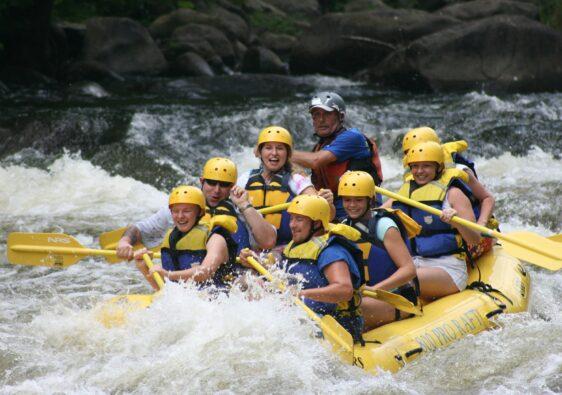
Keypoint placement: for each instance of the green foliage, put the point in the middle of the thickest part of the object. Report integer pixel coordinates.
(550, 12)
(186, 4)
(274, 23)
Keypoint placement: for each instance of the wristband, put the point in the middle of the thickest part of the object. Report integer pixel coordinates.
(247, 206)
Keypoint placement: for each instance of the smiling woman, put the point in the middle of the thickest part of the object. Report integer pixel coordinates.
(274, 182)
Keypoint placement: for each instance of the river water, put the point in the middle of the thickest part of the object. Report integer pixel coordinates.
(87, 159)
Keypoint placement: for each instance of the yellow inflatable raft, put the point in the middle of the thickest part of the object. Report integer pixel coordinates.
(498, 284)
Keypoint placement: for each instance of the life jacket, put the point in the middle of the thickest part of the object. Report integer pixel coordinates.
(377, 263)
(329, 176)
(302, 259)
(451, 158)
(181, 251)
(436, 238)
(264, 195)
(226, 207)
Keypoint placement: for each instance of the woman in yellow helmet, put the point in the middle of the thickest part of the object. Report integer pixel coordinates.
(453, 159)
(440, 249)
(274, 182)
(387, 263)
(193, 249)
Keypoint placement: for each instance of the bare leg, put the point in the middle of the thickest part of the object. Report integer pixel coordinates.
(435, 282)
(376, 313)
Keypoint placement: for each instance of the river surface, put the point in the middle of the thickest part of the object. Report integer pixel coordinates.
(87, 159)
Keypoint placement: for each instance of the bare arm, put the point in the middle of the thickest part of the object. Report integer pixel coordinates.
(460, 203)
(313, 160)
(217, 254)
(264, 233)
(339, 288)
(125, 245)
(487, 201)
(402, 259)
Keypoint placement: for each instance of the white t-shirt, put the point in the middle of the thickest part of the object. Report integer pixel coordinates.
(154, 228)
(297, 183)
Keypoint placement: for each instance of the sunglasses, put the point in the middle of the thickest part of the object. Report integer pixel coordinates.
(223, 184)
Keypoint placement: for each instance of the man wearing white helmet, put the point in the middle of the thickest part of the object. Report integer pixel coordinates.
(339, 149)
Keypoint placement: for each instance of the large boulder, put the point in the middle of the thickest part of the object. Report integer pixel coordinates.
(281, 44)
(165, 25)
(479, 9)
(188, 34)
(123, 45)
(192, 64)
(308, 8)
(501, 53)
(262, 60)
(344, 43)
(232, 23)
(364, 5)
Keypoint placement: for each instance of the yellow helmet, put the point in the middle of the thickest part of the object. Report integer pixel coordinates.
(418, 135)
(356, 183)
(426, 152)
(220, 169)
(275, 134)
(314, 207)
(187, 194)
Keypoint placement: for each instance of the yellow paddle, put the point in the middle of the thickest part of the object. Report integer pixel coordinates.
(557, 238)
(526, 246)
(340, 339)
(109, 240)
(398, 301)
(117, 308)
(50, 249)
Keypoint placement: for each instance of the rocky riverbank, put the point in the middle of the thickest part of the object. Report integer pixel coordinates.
(496, 45)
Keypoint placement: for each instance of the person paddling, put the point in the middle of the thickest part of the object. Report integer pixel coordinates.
(217, 183)
(274, 182)
(440, 249)
(339, 149)
(194, 249)
(385, 245)
(454, 160)
(327, 261)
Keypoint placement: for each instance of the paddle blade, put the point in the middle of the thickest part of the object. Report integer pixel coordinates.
(551, 247)
(337, 336)
(557, 238)
(17, 242)
(398, 301)
(114, 312)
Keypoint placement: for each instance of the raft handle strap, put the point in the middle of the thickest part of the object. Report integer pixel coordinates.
(487, 289)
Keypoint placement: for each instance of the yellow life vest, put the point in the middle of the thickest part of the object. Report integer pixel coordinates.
(263, 194)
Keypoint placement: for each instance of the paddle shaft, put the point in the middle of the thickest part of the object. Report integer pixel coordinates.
(156, 275)
(461, 221)
(83, 251)
(263, 271)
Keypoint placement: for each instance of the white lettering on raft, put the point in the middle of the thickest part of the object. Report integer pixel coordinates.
(448, 332)
(58, 240)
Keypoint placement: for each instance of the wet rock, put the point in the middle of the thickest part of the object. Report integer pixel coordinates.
(90, 70)
(123, 45)
(192, 64)
(308, 8)
(165, 25)
(192, 33)
(281, 44)
(234, 25)
(479, 9)
(252, 6)
(364, 5)
(345, 43)
(497, 54)
(88, 88)
(262, 60)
